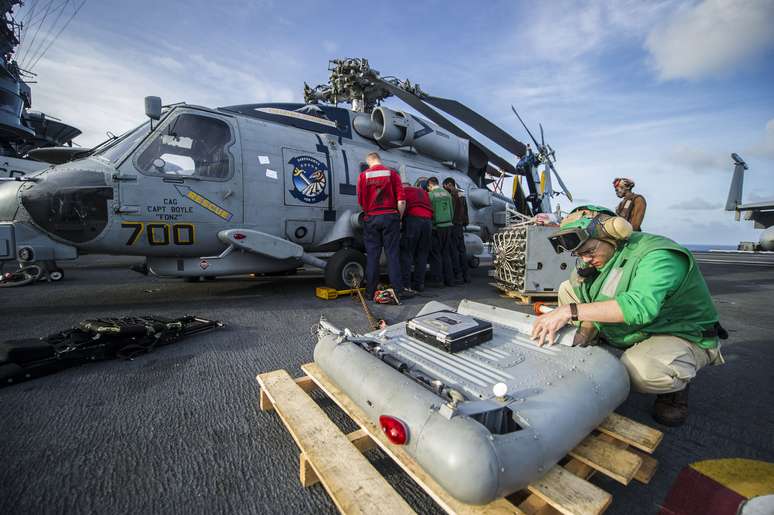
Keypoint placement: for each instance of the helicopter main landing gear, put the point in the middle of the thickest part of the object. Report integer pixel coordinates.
(345, 268)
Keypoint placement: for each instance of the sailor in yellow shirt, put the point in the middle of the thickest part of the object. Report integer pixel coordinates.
(640, 292)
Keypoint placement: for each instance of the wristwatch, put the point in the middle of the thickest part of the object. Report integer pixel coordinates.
(574, 311)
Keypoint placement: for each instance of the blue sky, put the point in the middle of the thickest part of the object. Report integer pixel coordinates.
(658, 91)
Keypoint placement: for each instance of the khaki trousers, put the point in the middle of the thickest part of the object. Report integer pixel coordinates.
(659, 364)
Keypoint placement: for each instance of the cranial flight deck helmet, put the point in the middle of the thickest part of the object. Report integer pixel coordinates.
(623, 181)
(586, 222)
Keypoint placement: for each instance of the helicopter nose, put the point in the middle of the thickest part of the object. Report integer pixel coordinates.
(69, 203)
(9, 200)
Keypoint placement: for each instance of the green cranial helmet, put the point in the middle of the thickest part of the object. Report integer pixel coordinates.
(586, 222)
(589, 211)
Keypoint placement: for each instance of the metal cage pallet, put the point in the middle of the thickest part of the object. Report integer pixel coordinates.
(620, 448)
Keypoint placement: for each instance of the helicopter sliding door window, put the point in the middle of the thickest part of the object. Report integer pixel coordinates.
(190, 145)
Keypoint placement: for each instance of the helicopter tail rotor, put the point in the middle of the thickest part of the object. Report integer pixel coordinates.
(546, 155)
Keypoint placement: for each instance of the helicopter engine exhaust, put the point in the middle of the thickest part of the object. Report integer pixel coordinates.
(395, 129)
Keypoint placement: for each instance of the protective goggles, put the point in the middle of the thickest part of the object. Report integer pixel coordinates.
(568, 240)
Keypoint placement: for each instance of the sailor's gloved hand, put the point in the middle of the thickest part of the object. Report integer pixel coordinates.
(546, 326)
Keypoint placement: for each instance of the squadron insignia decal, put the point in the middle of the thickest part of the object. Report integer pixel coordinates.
(310, 179)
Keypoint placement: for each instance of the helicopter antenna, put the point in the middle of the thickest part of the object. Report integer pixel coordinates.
(59, 33)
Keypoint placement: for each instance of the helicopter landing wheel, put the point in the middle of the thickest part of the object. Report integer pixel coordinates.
(344, 268)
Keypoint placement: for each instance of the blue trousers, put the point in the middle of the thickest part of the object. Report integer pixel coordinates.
(440, 257)
(382, 231)
(414, 250)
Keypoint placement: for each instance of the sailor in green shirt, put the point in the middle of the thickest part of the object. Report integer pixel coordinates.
(441, 268)
(640, 292)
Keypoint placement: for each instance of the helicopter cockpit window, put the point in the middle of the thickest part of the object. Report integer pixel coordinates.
(190, 145)
(115, 150)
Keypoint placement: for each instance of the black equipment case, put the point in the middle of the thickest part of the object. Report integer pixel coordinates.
(449, 331)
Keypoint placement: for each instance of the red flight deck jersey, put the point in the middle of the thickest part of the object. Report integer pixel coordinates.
(378, 191)
(417, 202)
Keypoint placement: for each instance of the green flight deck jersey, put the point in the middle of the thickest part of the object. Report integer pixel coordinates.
(659, 289)
(443, 211)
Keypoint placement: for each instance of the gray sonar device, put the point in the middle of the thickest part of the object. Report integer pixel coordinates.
(449, 331)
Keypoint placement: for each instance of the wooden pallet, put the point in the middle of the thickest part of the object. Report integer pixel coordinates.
(526, 297)
(620, 448)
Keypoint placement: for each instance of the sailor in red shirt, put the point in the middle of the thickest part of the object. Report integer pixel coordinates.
(416, 237)
(380, 195)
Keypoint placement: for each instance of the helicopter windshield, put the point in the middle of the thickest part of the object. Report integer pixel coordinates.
(192, 145)
(117, 148)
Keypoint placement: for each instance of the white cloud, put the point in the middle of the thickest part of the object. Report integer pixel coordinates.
(98, 87)
(167, 62)
(563, 31)
(759, 197)
(331, 47)
(708, 228)
(697, 204)
(765, 147)
(699, 160)
(641, 126)
(713, 37)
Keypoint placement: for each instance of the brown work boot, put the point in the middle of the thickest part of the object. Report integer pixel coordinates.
(671, 409)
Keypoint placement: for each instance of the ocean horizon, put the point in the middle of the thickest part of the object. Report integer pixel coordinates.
(708, 246)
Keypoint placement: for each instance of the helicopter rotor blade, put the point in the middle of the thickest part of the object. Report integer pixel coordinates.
(476, 121)
(542, 139)
(436, 117)
(559, 180)
(537, 145)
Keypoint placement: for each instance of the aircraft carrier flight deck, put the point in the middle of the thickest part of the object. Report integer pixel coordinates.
(179, 429)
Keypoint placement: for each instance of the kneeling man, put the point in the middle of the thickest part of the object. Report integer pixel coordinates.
(640, 292)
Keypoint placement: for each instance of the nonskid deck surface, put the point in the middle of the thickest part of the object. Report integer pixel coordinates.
(759, 259)
(180, 429)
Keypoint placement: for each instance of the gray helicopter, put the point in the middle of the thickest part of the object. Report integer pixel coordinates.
(255, 188)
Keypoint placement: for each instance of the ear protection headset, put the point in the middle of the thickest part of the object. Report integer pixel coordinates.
(613, 229)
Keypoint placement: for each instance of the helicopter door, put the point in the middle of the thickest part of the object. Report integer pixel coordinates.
(191, 170)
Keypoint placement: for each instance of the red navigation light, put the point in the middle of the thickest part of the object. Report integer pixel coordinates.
(395, 430)
(239, 236)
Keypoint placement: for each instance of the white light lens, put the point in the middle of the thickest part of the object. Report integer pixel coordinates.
(500, 389)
